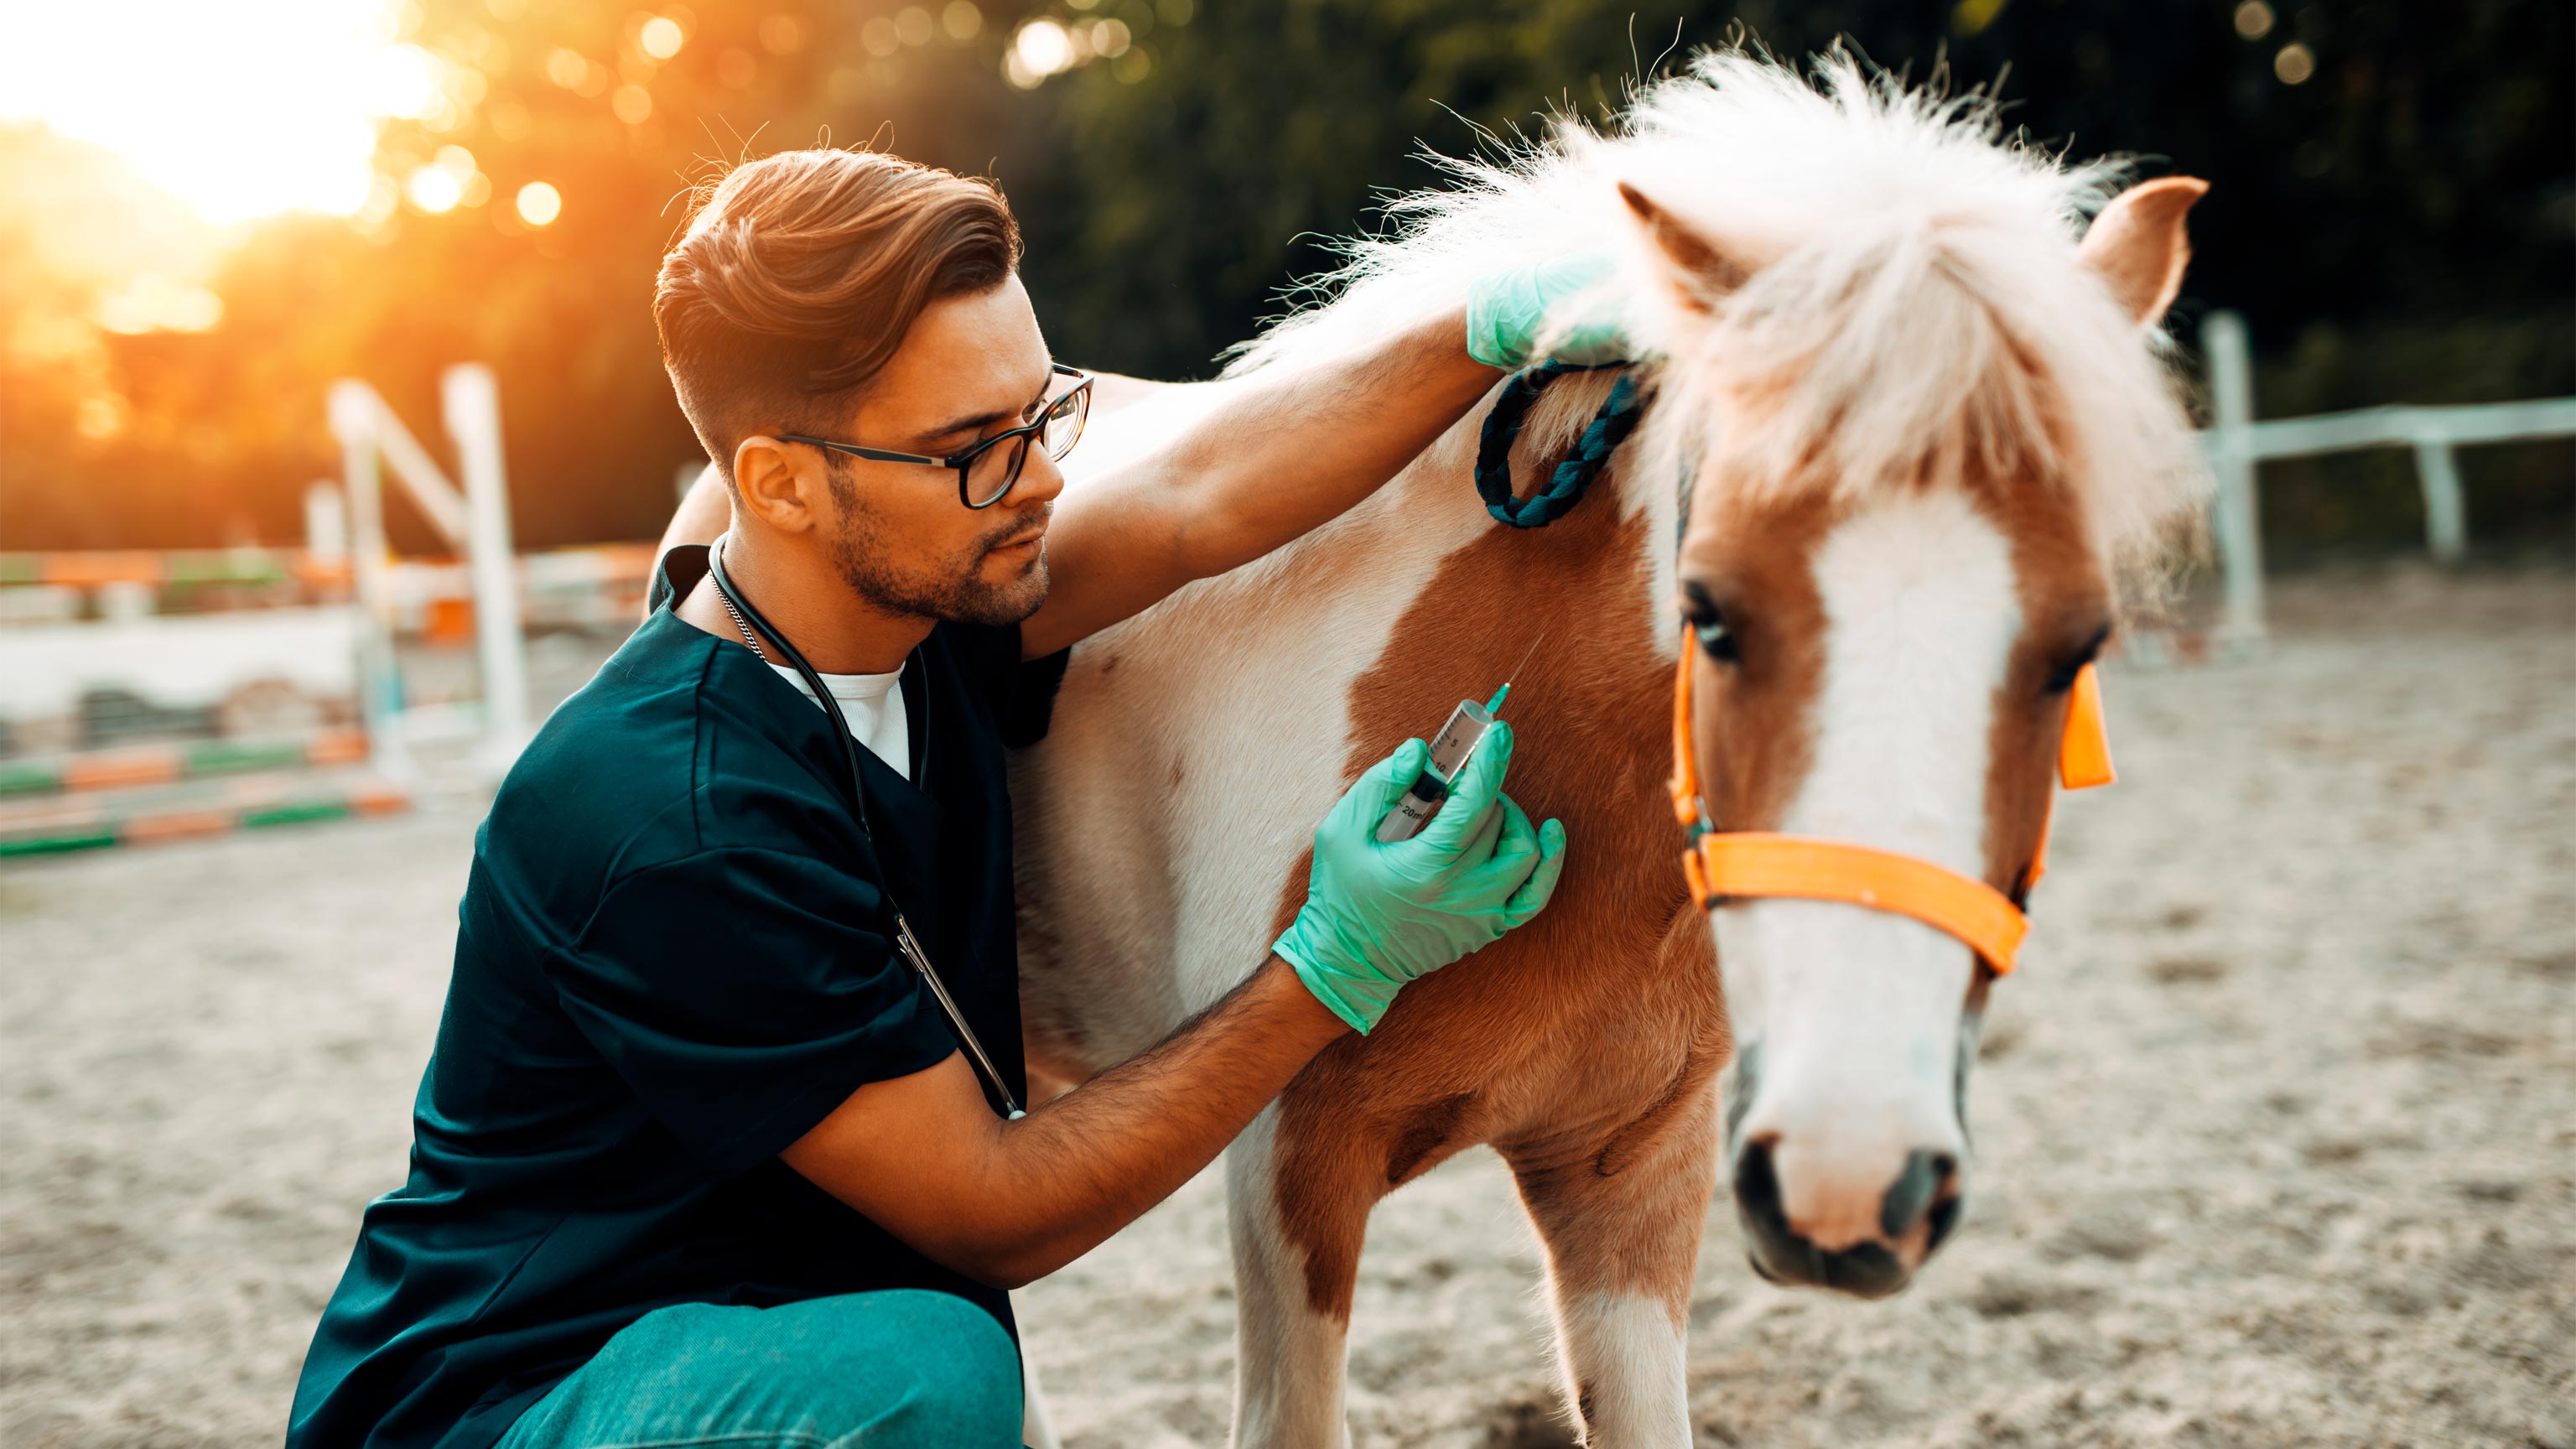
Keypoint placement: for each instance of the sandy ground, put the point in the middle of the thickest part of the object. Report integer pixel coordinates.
(2276, 1135)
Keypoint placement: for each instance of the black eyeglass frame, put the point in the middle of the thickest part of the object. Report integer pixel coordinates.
(964, 462)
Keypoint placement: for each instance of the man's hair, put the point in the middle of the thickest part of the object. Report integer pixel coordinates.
(798, 276)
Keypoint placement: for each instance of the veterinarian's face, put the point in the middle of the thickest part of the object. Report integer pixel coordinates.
(970, 367)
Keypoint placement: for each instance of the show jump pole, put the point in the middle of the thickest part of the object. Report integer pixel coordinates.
(474, 520)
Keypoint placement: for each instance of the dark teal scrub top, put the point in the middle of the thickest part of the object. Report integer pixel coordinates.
(672, 961)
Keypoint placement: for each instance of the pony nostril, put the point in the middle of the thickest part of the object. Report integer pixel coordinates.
(1926, 1179)
(1757, 1186)
(1946, 1202)
(1945, 1216)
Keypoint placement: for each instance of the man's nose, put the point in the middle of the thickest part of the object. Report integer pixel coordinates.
(1040, 480)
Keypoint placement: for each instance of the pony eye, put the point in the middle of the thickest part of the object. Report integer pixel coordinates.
(1716, 640)
(1708, 624)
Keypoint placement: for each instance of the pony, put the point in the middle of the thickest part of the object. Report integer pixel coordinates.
(1910, 427)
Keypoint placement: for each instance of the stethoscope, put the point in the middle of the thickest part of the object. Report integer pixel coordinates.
(905, 943)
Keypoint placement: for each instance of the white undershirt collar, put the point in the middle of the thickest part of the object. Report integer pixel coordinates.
(875, 708)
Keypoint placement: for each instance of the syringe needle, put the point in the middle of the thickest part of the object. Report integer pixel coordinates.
(1495, 705)
(1450, 751)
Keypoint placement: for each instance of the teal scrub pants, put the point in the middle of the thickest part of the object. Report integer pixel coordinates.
(902, 1369)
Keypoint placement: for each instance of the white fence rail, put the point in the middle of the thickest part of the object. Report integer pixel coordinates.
(2235, 444)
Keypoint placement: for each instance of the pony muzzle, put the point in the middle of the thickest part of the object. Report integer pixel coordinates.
(1845, 1144)
(1828, 1218)
(1847, 1194)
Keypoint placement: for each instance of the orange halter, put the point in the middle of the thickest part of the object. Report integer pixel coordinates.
(1723, 864)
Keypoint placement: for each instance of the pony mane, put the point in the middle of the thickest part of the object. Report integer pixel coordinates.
(1916, 310)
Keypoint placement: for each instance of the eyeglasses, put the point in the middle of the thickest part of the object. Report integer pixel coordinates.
(987, 470)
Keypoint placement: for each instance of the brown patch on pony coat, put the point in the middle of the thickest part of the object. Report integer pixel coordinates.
(1432, 1129)
(1686, 947)
(1623, 1218)
(1634, 1235)
(1572, 1027)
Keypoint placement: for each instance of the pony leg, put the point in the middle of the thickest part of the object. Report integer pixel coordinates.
(1288, 1349)
(1622, 1226)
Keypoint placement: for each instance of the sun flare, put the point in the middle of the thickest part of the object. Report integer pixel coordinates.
(243, 108)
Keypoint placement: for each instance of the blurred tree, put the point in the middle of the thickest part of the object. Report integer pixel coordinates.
(83, 242)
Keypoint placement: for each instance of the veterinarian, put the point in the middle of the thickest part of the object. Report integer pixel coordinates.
(698, 1156)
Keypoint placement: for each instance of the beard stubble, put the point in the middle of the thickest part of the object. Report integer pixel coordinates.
(951, 588)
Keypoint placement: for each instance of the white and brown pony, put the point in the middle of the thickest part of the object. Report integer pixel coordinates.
(1908, 430)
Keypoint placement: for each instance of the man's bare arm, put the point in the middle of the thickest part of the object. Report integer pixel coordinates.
(1007, 1202)
(1280, 455)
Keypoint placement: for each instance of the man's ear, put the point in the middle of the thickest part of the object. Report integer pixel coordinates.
(1697, 271)
(2138, 248)
(778, 483)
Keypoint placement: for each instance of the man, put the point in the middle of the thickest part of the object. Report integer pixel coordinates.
(700, 1156)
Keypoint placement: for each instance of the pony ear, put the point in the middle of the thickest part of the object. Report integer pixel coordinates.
(1696, 269)
(2137, 246)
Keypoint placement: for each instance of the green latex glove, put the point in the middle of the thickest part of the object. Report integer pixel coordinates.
(1380, 915)
(1507, 312)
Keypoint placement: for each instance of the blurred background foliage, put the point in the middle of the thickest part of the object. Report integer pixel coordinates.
(2394, 210)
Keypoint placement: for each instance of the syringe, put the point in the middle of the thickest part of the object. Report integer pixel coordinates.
(1450, 750)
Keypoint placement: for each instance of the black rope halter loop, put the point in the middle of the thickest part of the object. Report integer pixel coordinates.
(1572, 477)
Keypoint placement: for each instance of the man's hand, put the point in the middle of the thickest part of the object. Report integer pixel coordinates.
(1380, 914)
(1561, 309)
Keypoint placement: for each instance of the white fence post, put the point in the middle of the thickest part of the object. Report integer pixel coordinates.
(473, 405)
(475, 518)
(326, 523)
(2238, 514)
(2446, 514)
(353, 413)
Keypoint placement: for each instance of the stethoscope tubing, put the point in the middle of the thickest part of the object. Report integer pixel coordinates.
(906, 944)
